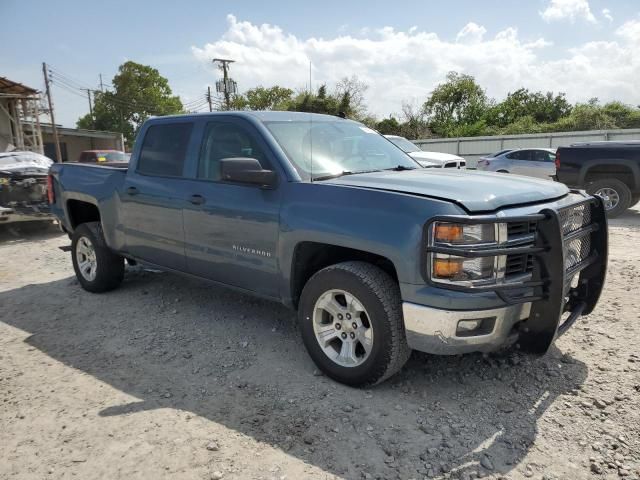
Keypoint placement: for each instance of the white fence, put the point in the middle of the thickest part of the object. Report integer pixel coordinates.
(472, 148)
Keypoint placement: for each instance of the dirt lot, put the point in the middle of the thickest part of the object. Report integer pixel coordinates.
(170, 378)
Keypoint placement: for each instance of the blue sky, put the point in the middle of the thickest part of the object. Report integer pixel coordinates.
(400, 49)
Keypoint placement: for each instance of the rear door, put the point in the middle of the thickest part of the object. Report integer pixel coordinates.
(153, 196)
(519, 162)
(544, 164)
(231, 230)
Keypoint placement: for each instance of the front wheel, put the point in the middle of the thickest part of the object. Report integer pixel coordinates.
(351, 322)
(97, 267)
(615, 194)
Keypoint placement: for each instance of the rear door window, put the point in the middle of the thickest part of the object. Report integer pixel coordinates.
(542, 156)
(164, 149)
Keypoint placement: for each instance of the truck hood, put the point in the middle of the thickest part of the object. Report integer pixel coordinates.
(475, 191)
(435, 157)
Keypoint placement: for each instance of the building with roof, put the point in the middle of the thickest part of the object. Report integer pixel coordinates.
(21, 129)
(19, 105)
(74, 141)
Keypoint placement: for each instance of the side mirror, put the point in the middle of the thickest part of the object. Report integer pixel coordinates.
(246, 170)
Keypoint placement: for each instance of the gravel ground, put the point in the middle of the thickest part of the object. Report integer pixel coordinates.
(171, 378)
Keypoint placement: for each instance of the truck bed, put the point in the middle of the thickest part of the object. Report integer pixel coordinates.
(88, 181)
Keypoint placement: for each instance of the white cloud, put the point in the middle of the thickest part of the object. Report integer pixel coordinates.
(471, 33)
(568, 9)
(400, 65)
(606, 13)
(630, 31)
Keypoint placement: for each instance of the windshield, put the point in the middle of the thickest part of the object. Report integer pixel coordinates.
(338, 148)
(501, 152)
(404, 144)
(112, 157)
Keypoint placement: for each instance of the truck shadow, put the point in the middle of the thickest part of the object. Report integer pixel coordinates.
(238, 361)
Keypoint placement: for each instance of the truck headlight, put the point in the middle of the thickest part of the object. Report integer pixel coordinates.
(464, 270)
(462, 234)
(460, 269)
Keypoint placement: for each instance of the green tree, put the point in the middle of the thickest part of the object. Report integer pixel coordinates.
(351, 91)
(585, 116)
(541, 107)
(322, 102)
(261, 98)
(389, 126)
(139, 91)
(623, 115)
(456, 106)
(414, 124)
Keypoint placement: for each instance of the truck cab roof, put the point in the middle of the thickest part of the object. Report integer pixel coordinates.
(606, 144)
(262, 116)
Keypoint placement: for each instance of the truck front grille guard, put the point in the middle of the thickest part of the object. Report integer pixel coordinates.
(548, 290)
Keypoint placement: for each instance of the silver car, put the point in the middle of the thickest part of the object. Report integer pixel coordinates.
(532, 162)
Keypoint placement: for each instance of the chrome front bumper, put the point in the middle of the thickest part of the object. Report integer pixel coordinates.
(436, 331)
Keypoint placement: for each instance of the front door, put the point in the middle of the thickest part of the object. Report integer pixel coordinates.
(231, 230)
(153, 199)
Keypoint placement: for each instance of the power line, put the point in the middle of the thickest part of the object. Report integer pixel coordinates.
(76, 87)
(56, 81)
(197, 100)
(68, 78)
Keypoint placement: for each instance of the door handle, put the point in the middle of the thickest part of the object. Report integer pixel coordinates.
(133, 191)
(197, 199)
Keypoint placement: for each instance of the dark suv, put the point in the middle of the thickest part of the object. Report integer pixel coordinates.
(610, 170)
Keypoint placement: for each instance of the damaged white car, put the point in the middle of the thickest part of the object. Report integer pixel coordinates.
(23, 187)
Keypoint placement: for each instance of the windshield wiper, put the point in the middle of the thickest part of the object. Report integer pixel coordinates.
(342, 174)
(400, 168)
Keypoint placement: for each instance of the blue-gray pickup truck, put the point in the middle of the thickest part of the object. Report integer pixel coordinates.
(323, 214)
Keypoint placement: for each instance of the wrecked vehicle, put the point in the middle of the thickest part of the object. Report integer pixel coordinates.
(23, 187)
(323, 214)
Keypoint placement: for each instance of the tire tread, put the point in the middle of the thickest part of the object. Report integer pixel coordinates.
(387, 291)
(111, 265)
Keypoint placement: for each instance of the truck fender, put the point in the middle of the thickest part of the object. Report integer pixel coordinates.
(588, 165)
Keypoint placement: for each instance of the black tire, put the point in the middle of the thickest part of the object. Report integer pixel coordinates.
(621, 189)
(380, 296)
(501, 171)
(109, 270)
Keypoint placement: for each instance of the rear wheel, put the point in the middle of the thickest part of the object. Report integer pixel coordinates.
(351, 322)
(97, 267)
(615, 194)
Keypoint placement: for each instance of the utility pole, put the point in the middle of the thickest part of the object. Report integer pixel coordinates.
(93, 122)
(228, 86)
(209, 98)
(51, 114)
(101, 85)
